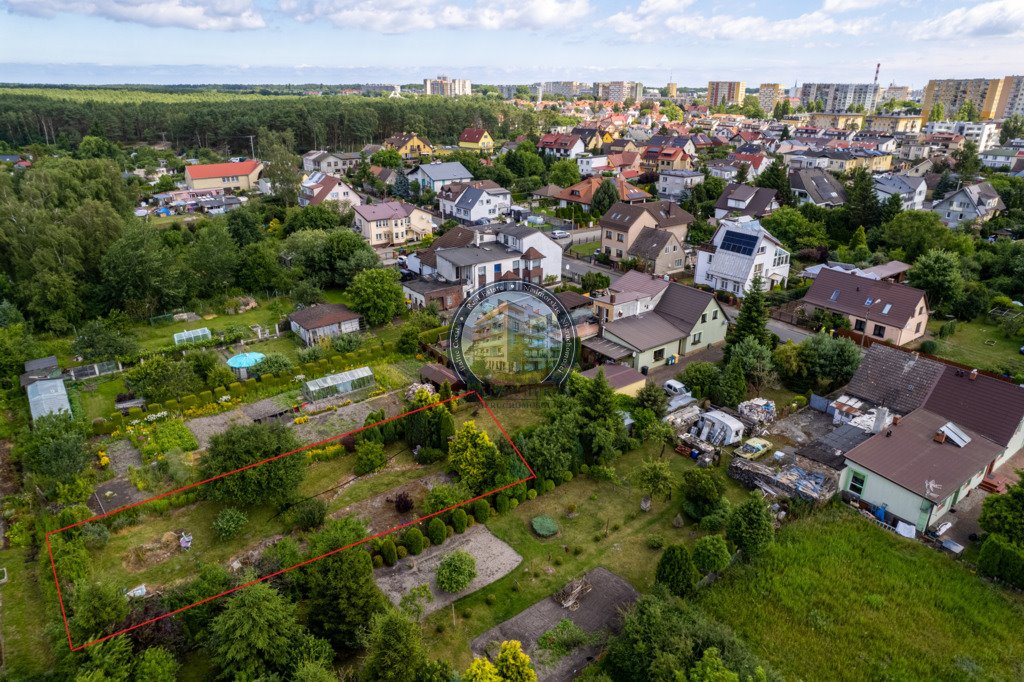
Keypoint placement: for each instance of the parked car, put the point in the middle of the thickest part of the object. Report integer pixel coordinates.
(401, 260)
(674, 388)
(559, 234)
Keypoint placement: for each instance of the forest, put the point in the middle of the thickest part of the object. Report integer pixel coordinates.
(219, 119)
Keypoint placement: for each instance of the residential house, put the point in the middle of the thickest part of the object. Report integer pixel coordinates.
(474, 201)
(591, 164)
(677, 185)
(954, 428)
(911, 189)
(319, 187)
(622, 224)
(224, 176)
(816, 186)
(476, 140)
(592, 138)
(330, 163)
(391, 223)
(647, 321)
(477, 255)
(724, 171)
(561, 146)
(673, 158)
(744, 200)
(620, 145)
(971, 203)
(582, 192)
(1001, 158)
(893, 123)
(740, 251)
(756, 163)
(409, 145)
(435, 175)
(896, 313)
(323, 321)
(424, 291)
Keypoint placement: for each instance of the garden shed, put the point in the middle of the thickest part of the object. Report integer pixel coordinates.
(192, 335)
(338, 384)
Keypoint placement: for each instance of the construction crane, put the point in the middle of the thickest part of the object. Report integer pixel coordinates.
(878, 67)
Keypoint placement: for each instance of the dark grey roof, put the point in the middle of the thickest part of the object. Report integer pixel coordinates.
(821, 186)
(41, 364)
(894, 378)
(649, 243)
(469, 197)
(759, 199)
(684, 305)
(831, 448)
(471, 255)
(426, 286)
(675, 314)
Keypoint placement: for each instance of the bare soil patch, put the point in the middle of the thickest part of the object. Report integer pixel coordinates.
(122, 455)
(378, 512)
(204, 428)
(494, 560)
(599, 614)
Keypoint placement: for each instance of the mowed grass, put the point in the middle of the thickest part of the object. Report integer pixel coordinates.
(153, 337)
(979, 344)
(839, 599)
(100, 402)
(608, 530)
(585, 248)
(26, 645)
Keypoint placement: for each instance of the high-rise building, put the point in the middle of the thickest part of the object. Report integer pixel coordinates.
(567, 89)
(619, 91)
(1011, 99)
(895, 92)
(768, 94)
(953, 93)
(840, 97)
(671, 89)
(447, 87)
(726, 92)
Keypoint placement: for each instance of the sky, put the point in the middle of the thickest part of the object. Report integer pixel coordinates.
(507, 41)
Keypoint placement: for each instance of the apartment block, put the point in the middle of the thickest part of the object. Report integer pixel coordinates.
(1011, 99)
(838, 97)
(567, 89)
(447, 87)
(953, 93)
(726, 92)
(768, 94)
(982, 133)
(619, 91)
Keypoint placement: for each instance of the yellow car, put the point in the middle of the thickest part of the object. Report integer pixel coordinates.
(753, 448)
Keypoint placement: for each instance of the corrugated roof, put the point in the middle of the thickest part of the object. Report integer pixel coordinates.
(47, 397)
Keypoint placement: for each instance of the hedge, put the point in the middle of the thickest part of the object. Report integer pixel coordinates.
(206, 397)
(1002, 559)
(432, 336)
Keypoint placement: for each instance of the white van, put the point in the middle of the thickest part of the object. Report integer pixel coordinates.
(674, 388)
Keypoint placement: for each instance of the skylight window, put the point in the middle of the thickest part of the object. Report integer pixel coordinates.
(869, 301)
(835, 295)
(887, 308)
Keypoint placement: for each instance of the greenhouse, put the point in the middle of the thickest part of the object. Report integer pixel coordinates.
(47, 397)
(192, 335)
(338, 384)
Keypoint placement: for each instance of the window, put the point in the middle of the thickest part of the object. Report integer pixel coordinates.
(618, 253)
(703, 318)
(497, 268)
(659, 354)
(714, 314)
(620, 237)
(887, 308)
(679, 262)
(857, 481)
(735, 287)
(920, 310)
(858, 325)
(482, 271)
(834, 296)
(917, 330)
(608, 234)
(879, 331)
(607, 250)
(696, 337)
(758, 269)
(709, 257)
(515, 265)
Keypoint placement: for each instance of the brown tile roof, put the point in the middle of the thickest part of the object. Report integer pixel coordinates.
(583, 192)
(618, 376)
(893, 378)
(987, 405)
(401, 139)
(473, 135)
(557, 141)
(912, 459)
(571, 300)
(890, 303)
(322, 315)
(453, 238)
(533, 254)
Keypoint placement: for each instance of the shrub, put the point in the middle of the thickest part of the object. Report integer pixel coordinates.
(600, 472)
(413, 541)
(436, 531)
(205, 397)
(403, 502)
(378, 561)
(566, 476)
(189, 402)
(481, 511)
(1002, 559)
(513, 503)
(456, 571)
(448, 531)
(676, 570)
(402, 552)
(544, 526)
(751, 526)
(229, 523)
(309, 514)
(95, 535)
(153, 408)
(370, 457)
(800, 401)
(947, 329)
(929, 347)
(549, 485)
(389, 552)
(501, 503)
(459, 520)
(702, 492)
(714, 523)
(531, 494)
(711, 554)
(655, 541)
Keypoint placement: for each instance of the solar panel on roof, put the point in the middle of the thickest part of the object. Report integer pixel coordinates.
(740, 243)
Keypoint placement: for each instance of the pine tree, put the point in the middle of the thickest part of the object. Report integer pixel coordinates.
(944, 185)
(776, 177)
(676, 571)
(513, 664)
(892, 207)
(752, 320)
(751, 527)
(732, 389)
(345, 597)
(605, 196)
(256, 634)
(653, 398)
(862, 207)
(401, 187)
(394, 648)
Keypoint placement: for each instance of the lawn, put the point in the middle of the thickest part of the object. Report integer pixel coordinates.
(153, 337)
(584, 249)
(979, 344)
(608, 530)
(838, 598)
(26, 646)
(100, 402)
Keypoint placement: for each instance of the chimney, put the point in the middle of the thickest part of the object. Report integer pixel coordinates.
(896, 419)
(939, 437)
(612, 298)
(974, 375)
(881, 419)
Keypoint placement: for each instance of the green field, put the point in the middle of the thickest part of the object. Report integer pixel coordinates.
(979, 344)
(584, 249)
(26, 645)
(838, 598)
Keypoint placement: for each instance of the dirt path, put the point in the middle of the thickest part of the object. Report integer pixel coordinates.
(494, 560)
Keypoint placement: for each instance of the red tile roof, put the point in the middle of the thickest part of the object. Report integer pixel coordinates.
(473, 135)
(221, 170)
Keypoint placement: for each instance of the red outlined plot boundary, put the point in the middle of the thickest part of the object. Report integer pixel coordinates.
(53, 564)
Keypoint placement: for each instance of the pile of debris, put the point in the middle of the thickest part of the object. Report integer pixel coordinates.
(569, 596)
(803, 479)
(757, 411)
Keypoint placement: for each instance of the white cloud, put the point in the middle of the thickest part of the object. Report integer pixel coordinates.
(849, 5)
(216, 15)
(999, 18)
(403, 16)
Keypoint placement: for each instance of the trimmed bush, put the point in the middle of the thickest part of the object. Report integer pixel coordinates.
(172, 405)
(389, 552)
(205, 397)
(413, 541)
(549, 485)
(310, 514)
(229, 522)
(1002, 559)
(436, 531)
(459, 520)
(929, 347)
(566, 476)
(220, 392)
(714, 523)
(235, 389)
(378, 561)
(544, 526)
(189, 401)
(429, 455)
(456, 571)
(501, 504)
(513, 503)
(134, 412)
(711, 554)
(153, 408)
(481, 511)
(370, 457)
(531, 494)
(655, 541)
(402, 552)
